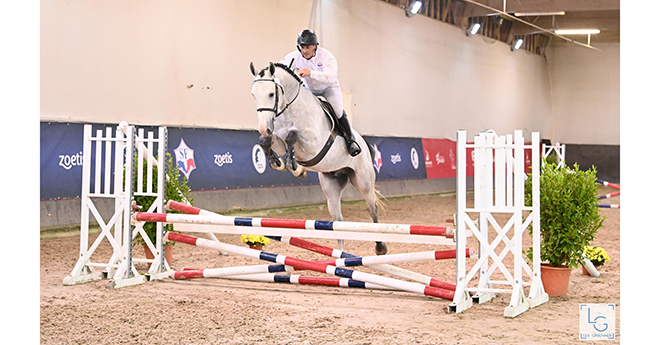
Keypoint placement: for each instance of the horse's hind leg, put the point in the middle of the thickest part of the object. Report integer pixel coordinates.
(365, 184)
(372, 206)
(333, 185)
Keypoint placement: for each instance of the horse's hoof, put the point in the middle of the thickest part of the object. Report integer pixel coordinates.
(280, 167)
(381, 248)
(299, 172)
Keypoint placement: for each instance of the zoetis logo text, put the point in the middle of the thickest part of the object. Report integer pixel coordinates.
(221, 160)
(69, 161)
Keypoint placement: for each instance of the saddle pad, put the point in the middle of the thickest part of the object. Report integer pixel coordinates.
(327, 109)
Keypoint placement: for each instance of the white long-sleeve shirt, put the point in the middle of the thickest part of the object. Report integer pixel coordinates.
(323, 67)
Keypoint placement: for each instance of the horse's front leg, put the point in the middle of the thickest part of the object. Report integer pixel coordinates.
(276, 162)
(291, 164)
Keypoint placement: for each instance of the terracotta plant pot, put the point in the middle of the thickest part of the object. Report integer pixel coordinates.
(257, 246)
(168, 253)
(584, 271)
(555, 279)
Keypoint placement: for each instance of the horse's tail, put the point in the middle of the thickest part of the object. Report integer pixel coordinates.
(372, 151)
(379, 196)
(379, 203)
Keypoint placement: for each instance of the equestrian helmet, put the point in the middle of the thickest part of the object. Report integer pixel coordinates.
(307, 37)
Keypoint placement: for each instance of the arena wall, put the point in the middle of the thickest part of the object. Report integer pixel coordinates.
(585, 94)
(186, 64)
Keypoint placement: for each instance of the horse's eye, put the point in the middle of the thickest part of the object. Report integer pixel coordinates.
(271, 95)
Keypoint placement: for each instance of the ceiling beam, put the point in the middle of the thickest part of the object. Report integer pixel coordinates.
(552, 5)
(532, 25)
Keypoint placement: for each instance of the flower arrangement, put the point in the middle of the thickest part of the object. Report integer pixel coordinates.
(255, 240)
(596, 255)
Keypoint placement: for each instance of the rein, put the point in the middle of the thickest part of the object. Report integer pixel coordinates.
(333, 132)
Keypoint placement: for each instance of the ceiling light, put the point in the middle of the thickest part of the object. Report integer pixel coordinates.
(517, 44)
(525, 22)
(414, 8)
(473, 29)
(587, 32)
(577, 32)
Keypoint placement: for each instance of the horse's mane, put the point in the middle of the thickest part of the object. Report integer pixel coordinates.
(288, 70)
(285, 68)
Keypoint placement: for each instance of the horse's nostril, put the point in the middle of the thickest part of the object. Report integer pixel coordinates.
(269, 131)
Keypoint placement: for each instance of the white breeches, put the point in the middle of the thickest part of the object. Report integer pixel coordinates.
(333, 96)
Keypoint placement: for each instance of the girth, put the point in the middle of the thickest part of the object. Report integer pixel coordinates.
(327, 109)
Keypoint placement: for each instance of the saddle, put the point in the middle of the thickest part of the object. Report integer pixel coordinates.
(328, 110)
(336, 129)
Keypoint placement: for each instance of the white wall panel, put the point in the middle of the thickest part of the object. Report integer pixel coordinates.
(185, 63)
(585, 94)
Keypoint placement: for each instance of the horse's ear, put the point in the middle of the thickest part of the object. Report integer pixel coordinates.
(252, 69)
(272, 69)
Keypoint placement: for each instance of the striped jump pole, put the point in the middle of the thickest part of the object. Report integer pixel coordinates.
(343, 262)
(313, 266)
(612, 185)
(308, 280)
(328, 251)
(608, 184)
(216, 219)
(609, 195)
(292, 279)
(225, 272)
(385, 268)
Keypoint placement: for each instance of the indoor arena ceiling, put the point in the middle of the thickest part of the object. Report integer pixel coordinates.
(502, 19)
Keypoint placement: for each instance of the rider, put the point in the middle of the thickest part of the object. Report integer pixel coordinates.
(318, 67)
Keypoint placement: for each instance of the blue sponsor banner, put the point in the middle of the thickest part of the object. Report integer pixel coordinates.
(216, 159)
(212, 159)
(398, 158)
(60, 151)
(61, 158)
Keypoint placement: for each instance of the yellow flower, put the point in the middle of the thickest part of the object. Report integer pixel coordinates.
(255, 239)
(596, 255)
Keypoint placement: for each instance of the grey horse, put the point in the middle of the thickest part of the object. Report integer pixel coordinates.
(297, 135)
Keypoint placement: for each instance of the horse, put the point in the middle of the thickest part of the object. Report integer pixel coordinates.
(297, 135)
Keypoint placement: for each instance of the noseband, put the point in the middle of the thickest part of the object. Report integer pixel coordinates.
(277, 96)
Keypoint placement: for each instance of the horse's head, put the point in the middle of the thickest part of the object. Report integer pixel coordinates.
(267, 92)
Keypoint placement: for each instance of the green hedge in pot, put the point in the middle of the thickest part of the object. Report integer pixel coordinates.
(570, 215)
(176, 188)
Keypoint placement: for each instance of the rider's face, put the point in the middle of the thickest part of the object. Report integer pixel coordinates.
(308, 51)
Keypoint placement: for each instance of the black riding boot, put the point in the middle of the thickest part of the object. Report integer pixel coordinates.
(352, 147)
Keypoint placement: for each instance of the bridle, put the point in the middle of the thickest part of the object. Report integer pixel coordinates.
(278, 87)
(277, 96)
